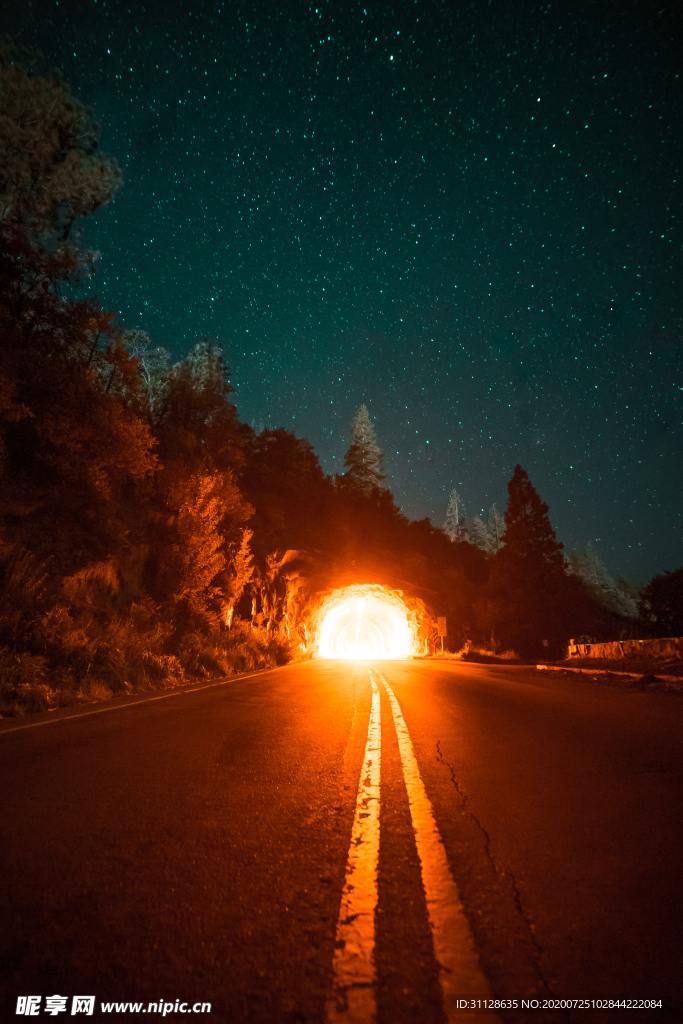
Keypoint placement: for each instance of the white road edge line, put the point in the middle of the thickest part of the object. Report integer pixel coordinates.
(352, 998)
(460, 973)
(181, 691)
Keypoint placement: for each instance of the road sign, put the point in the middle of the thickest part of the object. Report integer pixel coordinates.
(441, 626)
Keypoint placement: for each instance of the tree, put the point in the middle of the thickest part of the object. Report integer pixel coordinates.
(194, 566)
(363, 459)
(615, 596)
(454, 525)
(284, 481)
(495, 528)
(51, 172)
(485, 534)
(662, 603)
(196, 419)
(240, 572)
(529, 537)
(154, 367)
(475, 531)
(530, 596)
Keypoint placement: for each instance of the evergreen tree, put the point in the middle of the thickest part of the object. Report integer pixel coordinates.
(455, 523)
(363, 459)
(627, 596)
(485, 534)
(530, 540)
(476, 533)
(615, 596)
(592, 569)
(496, 529)
(531, 597)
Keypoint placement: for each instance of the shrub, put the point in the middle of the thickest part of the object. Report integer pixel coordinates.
(23, 686)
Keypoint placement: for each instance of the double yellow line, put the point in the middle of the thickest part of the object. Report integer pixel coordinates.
(353, 994)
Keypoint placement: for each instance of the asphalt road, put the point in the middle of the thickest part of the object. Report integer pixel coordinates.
(197, 847)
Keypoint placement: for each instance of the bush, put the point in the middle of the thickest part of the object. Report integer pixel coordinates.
(122, 652)
(245, 648)
(23, 688)
(95, 691)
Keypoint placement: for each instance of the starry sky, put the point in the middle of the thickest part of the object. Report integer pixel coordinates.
(464, 213)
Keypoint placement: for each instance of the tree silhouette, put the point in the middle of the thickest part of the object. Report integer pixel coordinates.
(530, 541)
(146, 533)
(52, 171)
(662, 603)
(531, 590)
(496, 529)
(363, 459)
(615, 596)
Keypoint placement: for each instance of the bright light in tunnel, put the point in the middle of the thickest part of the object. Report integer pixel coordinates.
(364, 623)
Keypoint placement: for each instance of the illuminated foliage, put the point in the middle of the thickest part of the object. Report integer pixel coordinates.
(146, 534)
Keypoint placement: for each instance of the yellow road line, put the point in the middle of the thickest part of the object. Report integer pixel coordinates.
(352, 998)
(460, 973)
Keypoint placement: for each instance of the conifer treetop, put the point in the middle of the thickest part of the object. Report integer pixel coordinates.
(529, 535)
(454, 524)
(363, 459)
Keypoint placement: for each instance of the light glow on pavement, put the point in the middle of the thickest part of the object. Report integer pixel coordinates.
(460, 972)
(353, 996)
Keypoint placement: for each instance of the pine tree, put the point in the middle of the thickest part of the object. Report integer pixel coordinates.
(496, 529)
(476, 532)
(530, 540)
(531, 590)
(455, 523)
(363, 459)
(616, 596)
(627, 598)
(485, 534)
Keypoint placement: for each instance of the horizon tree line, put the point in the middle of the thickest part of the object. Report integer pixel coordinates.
(149, 536)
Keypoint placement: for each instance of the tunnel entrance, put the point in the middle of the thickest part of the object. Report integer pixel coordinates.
(365, 622)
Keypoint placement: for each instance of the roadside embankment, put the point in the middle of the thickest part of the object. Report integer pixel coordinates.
(669, 676)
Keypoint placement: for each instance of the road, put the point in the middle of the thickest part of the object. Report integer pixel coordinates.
(199, 847)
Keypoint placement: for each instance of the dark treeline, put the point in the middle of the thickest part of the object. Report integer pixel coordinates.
(147, 535)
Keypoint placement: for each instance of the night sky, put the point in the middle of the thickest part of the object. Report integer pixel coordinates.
(464, 214)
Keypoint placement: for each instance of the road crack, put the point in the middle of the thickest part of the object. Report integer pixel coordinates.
(537, 950)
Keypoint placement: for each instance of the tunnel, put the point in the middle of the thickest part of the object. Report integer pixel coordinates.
(365, 622)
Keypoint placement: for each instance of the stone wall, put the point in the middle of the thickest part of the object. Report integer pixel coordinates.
(660, 649)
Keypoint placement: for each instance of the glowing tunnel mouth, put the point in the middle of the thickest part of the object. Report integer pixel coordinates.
(365, 623)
